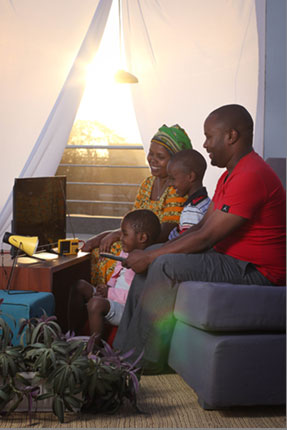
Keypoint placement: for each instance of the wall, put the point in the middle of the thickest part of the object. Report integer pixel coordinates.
(189, 60)
(275, 80)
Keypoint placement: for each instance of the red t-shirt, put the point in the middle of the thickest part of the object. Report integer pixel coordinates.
(253, 191)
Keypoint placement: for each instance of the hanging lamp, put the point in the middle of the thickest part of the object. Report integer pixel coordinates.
(122, 76)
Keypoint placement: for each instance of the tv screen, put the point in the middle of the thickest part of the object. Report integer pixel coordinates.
(39, 209)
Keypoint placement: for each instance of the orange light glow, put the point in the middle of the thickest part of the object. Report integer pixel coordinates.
(105, 100)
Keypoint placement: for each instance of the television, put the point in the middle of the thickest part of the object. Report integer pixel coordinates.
(39, 209)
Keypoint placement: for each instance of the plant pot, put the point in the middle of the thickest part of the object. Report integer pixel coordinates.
(39, 405)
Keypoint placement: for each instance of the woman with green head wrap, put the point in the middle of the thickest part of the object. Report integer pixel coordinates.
(166, 142)
(173, 139)
(154, 193)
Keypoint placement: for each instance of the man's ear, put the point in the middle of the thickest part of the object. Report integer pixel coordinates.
(233, 135)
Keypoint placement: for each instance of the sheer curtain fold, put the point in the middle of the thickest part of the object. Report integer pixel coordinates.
(47, 151)
(190, 57)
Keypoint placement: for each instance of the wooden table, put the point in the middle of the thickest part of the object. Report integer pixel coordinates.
(56, 276)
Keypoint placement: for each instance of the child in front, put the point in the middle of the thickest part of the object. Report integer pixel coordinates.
(139, 229)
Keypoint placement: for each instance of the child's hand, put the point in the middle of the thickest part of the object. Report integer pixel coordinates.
(102, 290)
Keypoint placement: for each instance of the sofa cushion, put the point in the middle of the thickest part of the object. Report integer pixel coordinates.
(229, 307)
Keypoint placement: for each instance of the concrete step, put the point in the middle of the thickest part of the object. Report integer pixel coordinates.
(79, 225)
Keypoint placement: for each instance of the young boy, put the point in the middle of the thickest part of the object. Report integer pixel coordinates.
(186, 170)
(139, 229)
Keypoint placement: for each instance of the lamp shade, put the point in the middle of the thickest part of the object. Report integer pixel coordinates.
(28, 244)
(123, 77)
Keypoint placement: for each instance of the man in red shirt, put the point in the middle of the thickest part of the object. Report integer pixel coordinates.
(240, 240)
(260, 240)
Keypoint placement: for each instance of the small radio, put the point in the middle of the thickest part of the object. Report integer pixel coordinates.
(68, 246)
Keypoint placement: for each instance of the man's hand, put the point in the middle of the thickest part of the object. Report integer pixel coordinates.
(90, 244)
(102, 290)
(107, 242)
(103, 241)
(138, 260)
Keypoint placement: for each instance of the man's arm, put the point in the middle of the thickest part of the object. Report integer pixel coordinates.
(214, 227)
(103, 241)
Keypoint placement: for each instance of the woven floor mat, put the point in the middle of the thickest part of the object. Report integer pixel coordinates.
(166, 401)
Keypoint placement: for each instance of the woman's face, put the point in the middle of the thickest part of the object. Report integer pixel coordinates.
(158, 157)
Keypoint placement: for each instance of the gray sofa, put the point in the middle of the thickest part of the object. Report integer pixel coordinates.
(229, 341)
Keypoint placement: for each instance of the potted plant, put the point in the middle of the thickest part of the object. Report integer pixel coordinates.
(74, 373)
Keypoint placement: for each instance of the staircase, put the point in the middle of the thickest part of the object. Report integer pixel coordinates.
(103, 175)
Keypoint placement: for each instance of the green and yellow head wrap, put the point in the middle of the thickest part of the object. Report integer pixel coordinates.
(173, 138)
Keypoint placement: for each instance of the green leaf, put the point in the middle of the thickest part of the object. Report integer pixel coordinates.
(92, 385)
(4, 366)
(78, 352)
(60, 348)
(45, 396)
(60, 379)
(72, 402)
(15, 405)
(36, 333)
(43, 361)
(12, 365)
(53, 358)
(3, 395)
(14, 351)
(58, 408)
(77, 373)
(55, 327)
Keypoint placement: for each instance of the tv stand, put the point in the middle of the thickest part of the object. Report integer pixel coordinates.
(56, 276)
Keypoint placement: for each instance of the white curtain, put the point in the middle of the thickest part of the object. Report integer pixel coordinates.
(39, 43)
(190, 57)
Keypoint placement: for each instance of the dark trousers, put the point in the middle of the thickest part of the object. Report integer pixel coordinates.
(147, 323)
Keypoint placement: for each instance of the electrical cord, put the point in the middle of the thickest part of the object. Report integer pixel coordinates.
(2, 264)
(9, 282)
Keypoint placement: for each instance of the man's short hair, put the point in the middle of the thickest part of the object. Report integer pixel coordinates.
(235, 116)
(144, 221)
